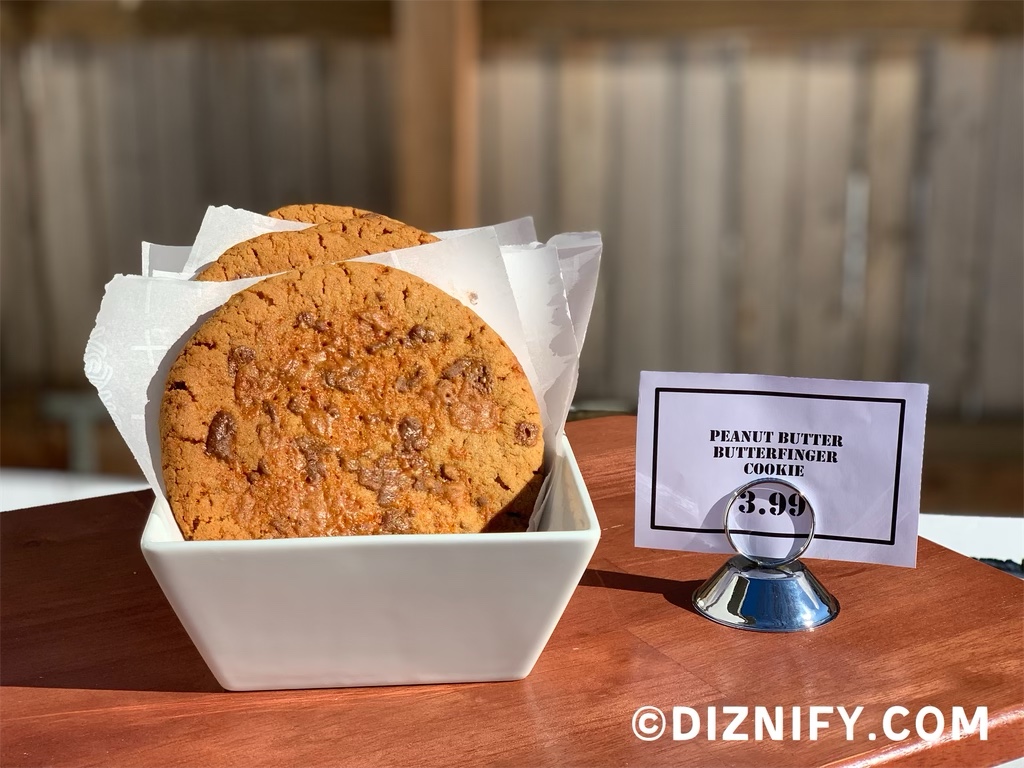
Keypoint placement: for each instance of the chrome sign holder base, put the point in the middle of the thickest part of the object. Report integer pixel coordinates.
(766, 595)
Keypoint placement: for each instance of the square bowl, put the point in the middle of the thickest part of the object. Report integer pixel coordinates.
(378, 610)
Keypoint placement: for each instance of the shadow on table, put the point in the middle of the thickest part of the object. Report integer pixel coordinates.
(679, 593)
(79, 607)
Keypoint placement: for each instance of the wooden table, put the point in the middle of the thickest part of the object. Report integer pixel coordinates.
(96, 669)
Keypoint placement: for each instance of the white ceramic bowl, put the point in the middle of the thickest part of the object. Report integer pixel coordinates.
(378, 610)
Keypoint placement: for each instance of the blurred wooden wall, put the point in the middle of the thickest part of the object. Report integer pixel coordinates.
(844, 208)
(108, 144)
(823, 193)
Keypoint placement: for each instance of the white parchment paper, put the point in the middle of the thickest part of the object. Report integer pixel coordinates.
(164, 260)
(579, 260)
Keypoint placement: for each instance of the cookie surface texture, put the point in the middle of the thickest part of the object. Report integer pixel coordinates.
(348, 399)
(326, 243)
(317, 213)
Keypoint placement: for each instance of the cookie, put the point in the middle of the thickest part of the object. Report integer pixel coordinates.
(348, 399)
(317, 213)
(320, 244)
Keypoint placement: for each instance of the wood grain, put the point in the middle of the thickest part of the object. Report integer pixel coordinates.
(288, 124)
(56, 85)
(510, 19)
(170, 97)
(703, 313)
(105, 20)
(584, 181)
(949, 272)
(504, 19)
(894, 83)
(821, 334)
(998, 379)
(226, 100)
(436, 49)
(24, 328)
(640, 258)
(770, 140)
(521, 84)
(97, 670)
(119, 179)
(347, 96)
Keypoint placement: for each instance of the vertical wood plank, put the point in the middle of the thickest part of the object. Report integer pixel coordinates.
(346, 90)
(380, 126)
(436, 54)
(489, 182)
(640, 250)
(224, 130)
(769, 139)
(288, 124)
(358, 96)
(23, 307)
(998, 376)
(176, 74)
(156, 94)
(465, 54)
(144, 78)
(583, 182)
(894, 82)
(701, 339)
(57, 82)
(522, 170)
(118, 176)
(823, 330)
(582, 137)
(949, 247)
(136, 84)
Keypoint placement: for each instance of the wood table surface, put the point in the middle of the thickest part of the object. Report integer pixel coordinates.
(97, 670)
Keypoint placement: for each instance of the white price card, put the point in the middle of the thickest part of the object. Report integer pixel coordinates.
(853, 448)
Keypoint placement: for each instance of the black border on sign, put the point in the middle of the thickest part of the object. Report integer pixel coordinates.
(896, 480)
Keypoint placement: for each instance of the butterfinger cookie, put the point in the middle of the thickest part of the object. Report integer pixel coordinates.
(348, 399)
(320, 244)
(317, 213)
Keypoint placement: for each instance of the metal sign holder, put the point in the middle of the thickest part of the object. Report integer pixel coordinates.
(766, 594)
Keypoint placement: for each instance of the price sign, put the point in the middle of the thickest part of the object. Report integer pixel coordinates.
(854, 449)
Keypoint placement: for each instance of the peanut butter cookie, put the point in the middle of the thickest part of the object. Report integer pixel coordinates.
(317, 213)
(320, 244)
(348, 399)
